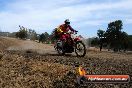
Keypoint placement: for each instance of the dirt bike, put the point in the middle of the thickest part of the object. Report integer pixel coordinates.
(72, 44)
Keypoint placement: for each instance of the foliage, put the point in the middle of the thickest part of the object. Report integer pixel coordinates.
(42, 38)
(22, 33)
(130, 42)
(101, 35)
(32, 35)
(26, 33)
(94, 41)
(54, 35)
(114, 36)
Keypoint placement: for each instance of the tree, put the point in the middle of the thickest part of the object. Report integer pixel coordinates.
(94, 41)
(113, 34)
(114, 37)
(101, 35)
(124, 40)
(47, 37)
(54, 35)
(130, 42)
(22, 33)
(42, 38)
(32, 35)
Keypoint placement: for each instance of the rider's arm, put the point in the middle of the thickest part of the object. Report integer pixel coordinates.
(72, 29)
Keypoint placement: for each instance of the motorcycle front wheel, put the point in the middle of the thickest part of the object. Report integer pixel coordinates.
(60, 50)
(80, 49)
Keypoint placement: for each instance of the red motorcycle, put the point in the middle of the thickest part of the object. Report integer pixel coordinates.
(72, 44)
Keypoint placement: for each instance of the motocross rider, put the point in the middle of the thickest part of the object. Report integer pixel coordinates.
(64, 28)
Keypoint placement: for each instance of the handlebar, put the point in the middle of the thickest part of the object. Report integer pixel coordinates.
(71, 32)
(76, 32)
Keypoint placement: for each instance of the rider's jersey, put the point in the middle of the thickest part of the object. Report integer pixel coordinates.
(65, 28)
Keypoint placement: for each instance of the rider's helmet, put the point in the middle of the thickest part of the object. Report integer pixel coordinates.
(67, 21)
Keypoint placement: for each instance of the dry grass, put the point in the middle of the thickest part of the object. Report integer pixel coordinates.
(39, 67)
(1, 55)
(17, 71)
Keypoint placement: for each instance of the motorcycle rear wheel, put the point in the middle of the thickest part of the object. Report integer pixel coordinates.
(80, 49)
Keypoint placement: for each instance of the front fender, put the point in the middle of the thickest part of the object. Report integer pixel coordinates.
(77, 39)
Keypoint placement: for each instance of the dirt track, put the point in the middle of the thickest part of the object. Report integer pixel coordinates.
(23, 45)
(31, 64)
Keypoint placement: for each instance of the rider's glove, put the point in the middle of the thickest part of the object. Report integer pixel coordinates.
(76, 31)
